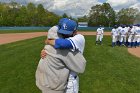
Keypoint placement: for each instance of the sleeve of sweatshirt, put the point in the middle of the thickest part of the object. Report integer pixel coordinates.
(75, 61)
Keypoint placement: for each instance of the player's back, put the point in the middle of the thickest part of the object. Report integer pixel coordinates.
(137, 30)
(114, 32)
(99, 31)
(123, 31)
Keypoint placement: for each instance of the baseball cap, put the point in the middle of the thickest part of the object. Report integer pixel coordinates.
(68, 27)
(62, 20)
(135, 25)
(115, 26)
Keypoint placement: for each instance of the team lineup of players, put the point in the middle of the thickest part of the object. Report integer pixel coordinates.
(127, 35)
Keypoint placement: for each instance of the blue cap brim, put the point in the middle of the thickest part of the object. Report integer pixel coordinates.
(65, 32)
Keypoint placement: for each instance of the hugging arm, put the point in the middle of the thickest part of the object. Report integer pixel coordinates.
(60, 43)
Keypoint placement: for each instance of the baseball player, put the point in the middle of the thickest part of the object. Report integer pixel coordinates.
(137, 36)
(134, 36)
(118, 34)
(102, 35)
(75, 43)
(123, 33)
(130, 36)
(99, 35)
(114, 35)
(67, 64)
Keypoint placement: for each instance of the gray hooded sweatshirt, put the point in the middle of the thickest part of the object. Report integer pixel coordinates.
(53, 71)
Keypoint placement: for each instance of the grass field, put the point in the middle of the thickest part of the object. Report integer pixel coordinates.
(28, 31)
(20, 31)
(108, 70)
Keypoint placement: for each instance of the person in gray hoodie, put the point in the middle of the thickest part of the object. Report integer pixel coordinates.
(53, 71)
(75, 42)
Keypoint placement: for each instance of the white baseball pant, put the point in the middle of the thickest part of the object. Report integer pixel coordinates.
(130, 38)
(98, 37)
(73, 85)
(136, 38)
(114, 38)
(123, 38)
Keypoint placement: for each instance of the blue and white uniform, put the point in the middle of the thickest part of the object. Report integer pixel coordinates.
(130, 36)
(99, 35)
(123, 33)
(78, 43)
(136, 40)
(114, 35)
(118, 34)
(75, 43)
(102, 35)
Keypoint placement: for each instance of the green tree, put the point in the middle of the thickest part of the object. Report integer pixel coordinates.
(65, 15)
(127, 16)
(22, 19)
(13, 14)
(102, 15)
(1, 14)
(83, 19)
(32, 14)
(41, 15)
(137, 19)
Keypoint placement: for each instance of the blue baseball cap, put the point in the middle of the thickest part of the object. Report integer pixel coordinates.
(135, 25)
(62, 20)
(115, 26)
(68, 27)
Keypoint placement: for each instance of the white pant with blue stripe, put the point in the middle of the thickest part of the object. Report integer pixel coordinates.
(73, 84)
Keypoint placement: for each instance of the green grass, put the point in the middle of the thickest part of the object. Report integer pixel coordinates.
(20, 31)
(28, 31)
(18, 62)
(108, 70)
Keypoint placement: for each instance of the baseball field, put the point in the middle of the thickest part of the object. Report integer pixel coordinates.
(108, 70)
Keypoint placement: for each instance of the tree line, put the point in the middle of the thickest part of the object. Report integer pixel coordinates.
(105, 15)
(14, 14)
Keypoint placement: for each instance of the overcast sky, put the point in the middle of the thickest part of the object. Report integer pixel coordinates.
(77, 8)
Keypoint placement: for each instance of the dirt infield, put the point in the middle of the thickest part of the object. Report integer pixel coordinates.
(134, 51)
(8, 38)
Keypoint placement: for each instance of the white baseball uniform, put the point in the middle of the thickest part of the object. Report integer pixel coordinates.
(102, 35)
(78, 43)
(114, 35)
(123, 36)
(99, 35)
(131, 34)
(118, 31)
(137, 35)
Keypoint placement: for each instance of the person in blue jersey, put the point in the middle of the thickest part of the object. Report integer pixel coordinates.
(114, 36)
(136, 40)
(74, 63)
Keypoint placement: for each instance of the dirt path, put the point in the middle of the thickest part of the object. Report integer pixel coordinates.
(8, 38)
(134, 51)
